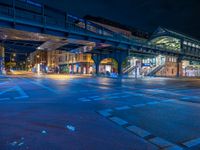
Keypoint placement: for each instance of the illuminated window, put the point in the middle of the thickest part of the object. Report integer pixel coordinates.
(185, 43)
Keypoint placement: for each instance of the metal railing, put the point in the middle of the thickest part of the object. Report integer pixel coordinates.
(154, 70)
(128, 69)
(18, 14)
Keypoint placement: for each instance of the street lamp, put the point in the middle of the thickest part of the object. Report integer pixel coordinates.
(38, 63)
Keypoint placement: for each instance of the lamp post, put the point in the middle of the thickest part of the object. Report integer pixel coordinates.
(38, 63)
(12, 59)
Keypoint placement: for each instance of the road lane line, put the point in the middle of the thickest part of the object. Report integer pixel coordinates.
(175, 147)
(162, 143)
(124, 96)
(105, 112)
(138, 131)
(22, 93)
(123, 108)
(152, 103)
(139, 105)
(98, 99)
(192, 143)
(119, 121)
(3, 99)
(44, 86)
(7, 90)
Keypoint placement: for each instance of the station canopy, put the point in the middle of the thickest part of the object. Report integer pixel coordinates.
(167, 42)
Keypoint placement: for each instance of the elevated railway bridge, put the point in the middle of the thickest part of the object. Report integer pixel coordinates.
(26, 26)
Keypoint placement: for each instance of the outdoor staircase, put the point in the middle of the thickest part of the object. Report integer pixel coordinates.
(155, 70)
(128, 69)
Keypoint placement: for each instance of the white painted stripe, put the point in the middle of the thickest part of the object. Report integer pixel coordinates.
(137, 94)
(169, 100)
(139, 105)
(193, 142)
(122, 108)
(98, 99)
(152, 103)
(175, 147)
(83, 98)
(9, 89)
(21, 97)
(138, 131)
(86, 100)
(119, 121)
(2, 99)
(108, 110)
(186, 98)
(2, 83)
(104, 113)
(22, 93)
(161, 142)
(113, 97)
(123, 96)
(43, 86)
(93, 96)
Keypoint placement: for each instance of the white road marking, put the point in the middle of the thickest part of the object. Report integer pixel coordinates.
(161, 142)
(139, 105)
(122, 108)
(124, 96)
(152, 103)
(7, 90)
(2, 83)
(86, 100)
(119, 121)
(21, 97)
(192, 143)
(175, 147)
(105, 113)
(98, 99)
(41, 85)
(169, 100)
(138, 131)
(113, 97)
(94, 97)
(2, 99)
(22, 93)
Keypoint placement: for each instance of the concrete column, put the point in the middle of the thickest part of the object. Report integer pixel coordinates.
(72, 67)
(179, 60)
(2, 59)
(120, 68)
(97, 67)
(97, 60)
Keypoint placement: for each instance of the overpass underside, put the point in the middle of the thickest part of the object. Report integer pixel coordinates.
(23, 43)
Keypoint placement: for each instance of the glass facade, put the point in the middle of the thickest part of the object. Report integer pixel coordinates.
(167, 42)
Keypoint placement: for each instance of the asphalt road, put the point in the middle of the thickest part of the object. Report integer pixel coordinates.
(87, 113)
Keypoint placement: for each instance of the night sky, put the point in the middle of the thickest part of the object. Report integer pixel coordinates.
(178, 15)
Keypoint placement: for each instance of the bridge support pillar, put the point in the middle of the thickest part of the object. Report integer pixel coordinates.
(179, 67)
(2, 57)
(97, 59)
(120, 73)
(118, 55)
(97, 68)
